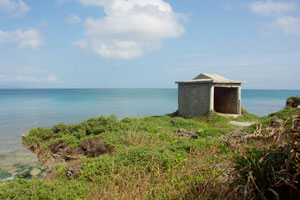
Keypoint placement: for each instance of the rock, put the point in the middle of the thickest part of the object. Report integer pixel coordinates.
(4, 175)
(73, 170)
(193, 134)
(24, 136)
(187, 134)
(35, 172)
(71, 173)
(293, 102)
(276, 123)
(209, 138)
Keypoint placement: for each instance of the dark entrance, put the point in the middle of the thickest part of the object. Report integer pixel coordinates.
(226, 100)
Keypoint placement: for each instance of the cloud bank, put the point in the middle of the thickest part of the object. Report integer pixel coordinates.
(130, 27)
(14, 8)
(288, 25)
(62, 1)
(270, 7)
(48, 79)
(30, 38)
(73, 19)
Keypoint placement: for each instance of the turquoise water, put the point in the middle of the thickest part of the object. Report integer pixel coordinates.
(21, 110)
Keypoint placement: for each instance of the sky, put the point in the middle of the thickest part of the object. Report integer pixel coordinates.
(148, 43)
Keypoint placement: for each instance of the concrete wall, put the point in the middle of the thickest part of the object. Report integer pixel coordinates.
(193, 99)
(226, 100)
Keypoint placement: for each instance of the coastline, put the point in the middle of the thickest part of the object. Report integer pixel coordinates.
(108, 154)
(126, 102)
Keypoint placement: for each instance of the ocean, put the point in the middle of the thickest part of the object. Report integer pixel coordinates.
(22, 109)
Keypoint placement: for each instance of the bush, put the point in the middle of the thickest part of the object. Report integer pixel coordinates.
(267, 175)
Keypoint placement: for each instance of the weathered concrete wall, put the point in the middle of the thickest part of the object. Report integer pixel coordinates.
(193, 99)
(226, 100)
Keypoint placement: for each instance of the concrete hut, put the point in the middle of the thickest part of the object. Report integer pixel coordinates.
(209, 92)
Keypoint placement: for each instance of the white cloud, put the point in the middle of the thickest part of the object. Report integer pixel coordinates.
(48, 79)
(130, 27)
(73, 19)
(15, 8)
(289, 25)
(94, 2)
(227, 6)
(62, 1)
(31, 79)
(30, 38)
(270, 7)
(80, 44)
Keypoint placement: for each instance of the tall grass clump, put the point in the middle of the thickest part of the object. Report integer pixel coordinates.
(267, 175)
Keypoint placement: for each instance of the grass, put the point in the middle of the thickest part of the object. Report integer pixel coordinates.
(112, 130)
(284, 114)
(247, 117)
(268, 174)
(148, 160)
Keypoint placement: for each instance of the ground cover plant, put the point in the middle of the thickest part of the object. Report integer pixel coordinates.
(159, 157)
(165, 157)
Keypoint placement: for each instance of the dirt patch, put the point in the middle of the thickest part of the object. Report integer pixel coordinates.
(93, 148)
(60, 152)
(187, 134)
(241, 124)
(89, 148)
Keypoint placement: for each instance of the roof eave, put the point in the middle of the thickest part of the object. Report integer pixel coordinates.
(229, 82)
(194, 81)
(210, 81)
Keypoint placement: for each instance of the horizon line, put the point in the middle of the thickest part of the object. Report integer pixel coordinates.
(122, 88)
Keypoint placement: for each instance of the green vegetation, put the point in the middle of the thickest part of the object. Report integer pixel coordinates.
(271, 169)
(148, 159)
(284, 114)
(247, 117)
(112, 130)
(159, 157)
(268, 174)
(293, 102)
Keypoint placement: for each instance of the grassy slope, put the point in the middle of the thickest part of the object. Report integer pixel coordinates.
(149, 160)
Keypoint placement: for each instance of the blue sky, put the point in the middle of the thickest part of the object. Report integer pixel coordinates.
(148, 43)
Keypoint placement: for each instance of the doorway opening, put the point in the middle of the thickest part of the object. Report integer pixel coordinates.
(226, 100)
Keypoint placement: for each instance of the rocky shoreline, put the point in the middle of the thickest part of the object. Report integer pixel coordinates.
(23, 171)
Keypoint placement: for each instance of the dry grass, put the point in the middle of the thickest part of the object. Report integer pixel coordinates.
(192, 179)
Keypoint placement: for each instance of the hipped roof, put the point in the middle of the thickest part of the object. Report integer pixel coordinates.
(212, 78)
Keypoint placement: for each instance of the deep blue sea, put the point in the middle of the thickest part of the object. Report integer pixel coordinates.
(22, 109)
